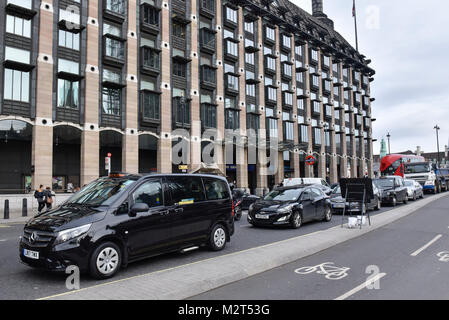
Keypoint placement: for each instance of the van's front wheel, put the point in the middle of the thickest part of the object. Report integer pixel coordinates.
(105, 260)
(217, 239)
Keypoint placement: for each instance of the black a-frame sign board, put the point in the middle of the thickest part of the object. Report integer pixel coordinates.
(357, 190)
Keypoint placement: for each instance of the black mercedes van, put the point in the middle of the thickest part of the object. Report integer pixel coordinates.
(122, 218)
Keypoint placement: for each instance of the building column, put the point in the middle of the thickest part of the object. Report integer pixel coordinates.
(42, 144)
(130, 141)
(261, 167)
(242, 152)
(90, 153)
(90, 137)
(195, 131)
(219, 146)
(164, 156)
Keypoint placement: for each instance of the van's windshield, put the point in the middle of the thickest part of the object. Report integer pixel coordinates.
(100, 192)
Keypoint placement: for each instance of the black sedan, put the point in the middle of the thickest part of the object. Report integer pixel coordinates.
(290, 206)
(338, 202)
(393, 189)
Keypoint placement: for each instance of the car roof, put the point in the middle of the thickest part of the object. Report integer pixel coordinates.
(140, 176)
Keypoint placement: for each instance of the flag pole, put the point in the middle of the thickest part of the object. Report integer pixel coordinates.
(354, 14)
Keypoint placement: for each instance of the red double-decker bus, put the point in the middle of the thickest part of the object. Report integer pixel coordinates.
(393, 164)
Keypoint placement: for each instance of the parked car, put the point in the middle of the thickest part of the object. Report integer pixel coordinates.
(246, 198)
(338, 202)
(414, 189)
(392, 189)
(122, 218)
(290, 206)
(290, 182)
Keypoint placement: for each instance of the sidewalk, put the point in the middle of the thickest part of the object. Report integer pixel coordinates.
(192, 279)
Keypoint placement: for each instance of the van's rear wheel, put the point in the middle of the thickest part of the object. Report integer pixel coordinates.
(217, 239)
(105, 260)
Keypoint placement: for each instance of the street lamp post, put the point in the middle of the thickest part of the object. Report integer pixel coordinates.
(388, 137)
(438, 146)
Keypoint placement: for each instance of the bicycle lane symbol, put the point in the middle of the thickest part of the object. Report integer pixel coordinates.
(444, 256)
(328, 269)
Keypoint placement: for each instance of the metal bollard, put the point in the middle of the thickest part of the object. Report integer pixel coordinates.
(24, 207)
(6, 210)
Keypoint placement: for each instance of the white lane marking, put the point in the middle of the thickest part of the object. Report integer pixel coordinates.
(414, 254)
(2, 240)
(361, 287)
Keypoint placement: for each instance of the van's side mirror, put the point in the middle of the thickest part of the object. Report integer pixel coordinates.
(138, 207)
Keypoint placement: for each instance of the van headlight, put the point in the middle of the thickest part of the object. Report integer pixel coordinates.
(70, 234)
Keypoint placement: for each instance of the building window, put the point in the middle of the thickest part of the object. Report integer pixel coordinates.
(232, 120)
(286, 41)
(18, 26)
(270, 63)
(114, 48)
(150, 58)
(111, 76)
(249, 58)
(251, 90)
(208, 116)
(179, 69)
(150, 105)
(231, 15)
(22, 3)
(232, 82)
(300, 104)
(117, 6)
(68, 94)
(230, 103)
(299, 50)
(252, 122)
(317, 136)
(287, 70)
(111, 101)
(271, 93)
(314, 55)
(249, 27)
(303, 133)
(19, 55)
(68, 66)
(69, 40)
(208, 4)
(288, 131)
(231, 48)
(179, 30)
(270, 34)
(151, 16)
(272, 127)
(17, 85)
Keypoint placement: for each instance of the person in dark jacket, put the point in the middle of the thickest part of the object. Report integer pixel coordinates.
(39, 194)
(48, 198)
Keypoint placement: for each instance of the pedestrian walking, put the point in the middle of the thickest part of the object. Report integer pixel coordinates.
(70, 187)
(40, 197)
(48, 198)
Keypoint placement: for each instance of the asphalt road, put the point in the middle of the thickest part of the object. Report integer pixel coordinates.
(22, 282)
(409, 258)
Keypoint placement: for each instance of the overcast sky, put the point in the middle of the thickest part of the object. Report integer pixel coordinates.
(408, 42)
